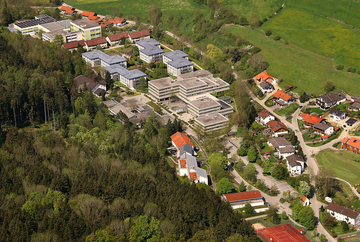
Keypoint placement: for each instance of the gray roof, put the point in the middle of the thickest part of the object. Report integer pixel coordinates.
(204, 102)
(266, 84)
(279, 141)
(337, 112)
(178, 63)
(287, 149)
(294, 160)
(201, 172)
(351, 121)
(333, 97)
(186, 149)
(35, 22)
(98, 54)
(151, 50)
(199, 73)
(355, 105)
(128, 74)
(118, 107)
(53, 26)
(176, 54)
(146, 42)
(210, 119)
(322, 126)
(66, 23)
(85, 23)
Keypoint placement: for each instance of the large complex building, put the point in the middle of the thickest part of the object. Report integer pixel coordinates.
(129, 78)
(177, 62)
(99, 58)
(30, 27)
(205, 104)
(149, 50)
(89, 30)
(240, 199)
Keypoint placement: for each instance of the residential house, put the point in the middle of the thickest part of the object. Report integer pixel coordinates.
(310, 120)
(282, 98)
(283, 147)
(31, 26)
(352, 144)
(305, 201)
(73, 45)
(263, 76)
(321, 128)
(89, 30)
(354, 107)
(130, 78)
(99, 58)
(337, 115)
(67, 10)
(295, 164)
(179, 139)
(116, 22)
(342, 213)
(188, 167)
(140, 35)
(92, 44)
(177, 62)
(87, 14)
(324, 137)
(150, 50)
(330, 99)
(96, 87)
(355, 99)
(266, 87)
(281, 233)
(350, 122)
(115, 39)
(240, 199)
(265, 116)
(277, 128)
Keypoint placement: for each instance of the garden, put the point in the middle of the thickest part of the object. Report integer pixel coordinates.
(287, 111)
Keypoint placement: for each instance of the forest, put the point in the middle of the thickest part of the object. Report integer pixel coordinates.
(71, 172)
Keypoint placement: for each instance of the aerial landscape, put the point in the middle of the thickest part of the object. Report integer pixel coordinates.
(183, 120)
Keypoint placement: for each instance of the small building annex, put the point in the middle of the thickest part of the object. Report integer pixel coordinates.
(240, 199)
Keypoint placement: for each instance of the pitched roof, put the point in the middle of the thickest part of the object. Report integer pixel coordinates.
(118, 20)
(312, 119)
(97, 41)
(118, 36)
(336, 112)
(81, 81)
(303, 115)
(139, 34)
(294, 160)
(87, 13)
(74, 44)
(355, 105)
(263, 76)
(264, 113)
(303, 198)
(282, 95)
(332, 97)
(193, 175)
(183, 163)
(343, 210)
(180, 139)
(322, 126)
(240, 196)
(353, 142)
(351, 121)
(266, 84)
(344, 140)
(67, 9)
(279, 141)
(276, 125)
(324, 136)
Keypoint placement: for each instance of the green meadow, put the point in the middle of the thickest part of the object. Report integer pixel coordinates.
(317, 34)
(297, 66)
(247, 8)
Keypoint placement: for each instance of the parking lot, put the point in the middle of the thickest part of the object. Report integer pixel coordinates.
(284, 186)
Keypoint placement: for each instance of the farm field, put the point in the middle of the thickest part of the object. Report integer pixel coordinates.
(304, 69)
(344, 164)
(317, 34)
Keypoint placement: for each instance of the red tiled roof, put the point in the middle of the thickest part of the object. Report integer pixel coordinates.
(354, 142)
(264, 113)
(118, 20)
(88, 14)
(282, 233)
(240, 196)
(180, 139)
(103, 25)
(118, 36)
(182, 163)
(139, 34)
(303, 198)
(276, 125)
(193, 175)
(336, 128)
(344, 140)
(67, 9)
(282, 95)
(325, 136)
(97, 20)
(312, 119)
(97, 41)
(74, 44)
(263, 76)
(303, 115)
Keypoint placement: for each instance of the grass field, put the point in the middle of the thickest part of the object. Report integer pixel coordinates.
(317, 34)
(299, 67)
(246, 8)
(344, 164)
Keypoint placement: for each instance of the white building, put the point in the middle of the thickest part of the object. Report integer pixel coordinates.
(342, 213)
(240, 199)
(282, 146)
(337, 115)
(177, 62)
(99, 58)
(265, 116)
(295, 164)
(130, 78)
(188, 167)
(150, 50)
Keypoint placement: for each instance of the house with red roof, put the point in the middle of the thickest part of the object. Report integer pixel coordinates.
(310, 120)
(179, 139)
(305, 201)
(115, 39)
(87, 14)
(117, 22)
(282, 98)
(264, 76)
(140, 35)
(67, 10)
(73, 45)
(282, 233)
(265, 116)
(352, 144)
(277, 128)
(91, 44)
(188, 166)
(240, 199)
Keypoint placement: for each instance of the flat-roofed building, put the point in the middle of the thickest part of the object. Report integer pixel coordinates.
(99, 58)
(67, 36)
(206, 104)
(89, 30)
(129, 78)
(211, 122)
(150, 50)
(163, 88)
(177, 62)
(31, 26)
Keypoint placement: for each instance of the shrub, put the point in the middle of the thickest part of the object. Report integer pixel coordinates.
(241, 151)
(277, 37)
(339, 67)
(282, 200)
(286, 42)
(268, 32)
(352, 70)
(255, 50)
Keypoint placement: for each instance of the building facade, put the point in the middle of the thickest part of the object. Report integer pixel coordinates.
(89, 30)
(342, 213)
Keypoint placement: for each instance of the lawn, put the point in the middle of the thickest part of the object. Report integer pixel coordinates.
(247, 8)
(304, 69)
(317, 34)
(287, 111)
(344, 164)
(318, 111)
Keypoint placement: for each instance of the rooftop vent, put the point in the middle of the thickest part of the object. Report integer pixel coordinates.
(215, 117)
